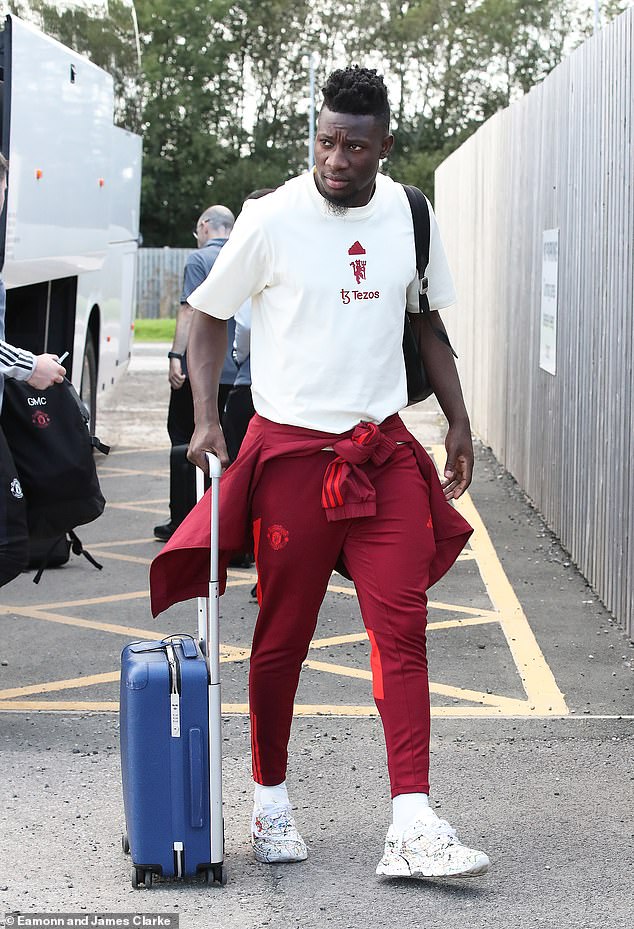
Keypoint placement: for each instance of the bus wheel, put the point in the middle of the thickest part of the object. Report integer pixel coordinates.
(88, 389)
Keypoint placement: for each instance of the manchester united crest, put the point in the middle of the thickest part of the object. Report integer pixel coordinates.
(41, 419)
(277, 537)
(358, 265)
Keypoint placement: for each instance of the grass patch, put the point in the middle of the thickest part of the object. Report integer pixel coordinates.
(154, 330)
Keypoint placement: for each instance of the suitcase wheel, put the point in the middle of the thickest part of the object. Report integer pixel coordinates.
(125, 845)
(216, 876)
(141, 878)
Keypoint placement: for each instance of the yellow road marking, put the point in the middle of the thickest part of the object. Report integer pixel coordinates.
(339, 640)
(108, 706)
(323, 709)
(432, 604)
(142, 448)
(124, 503)
(234, 653)
(308, 709)
(100, 545)
(31, 613)
(509, 704)
(229, 709)
(106, 678)
(467, 621)
(88, 601)
(479, 620)
(343, 670)
(537, 679)
(335, 589)
(109, 471)
(228, 653)
(137, 509)
(115, 556)
(458, 608)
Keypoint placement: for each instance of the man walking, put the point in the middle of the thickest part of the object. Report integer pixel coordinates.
(212, 231)
(330, 475)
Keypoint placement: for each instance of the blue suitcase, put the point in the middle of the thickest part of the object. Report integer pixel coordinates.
(171, 743)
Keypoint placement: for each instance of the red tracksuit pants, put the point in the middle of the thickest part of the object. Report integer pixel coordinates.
(388, 557)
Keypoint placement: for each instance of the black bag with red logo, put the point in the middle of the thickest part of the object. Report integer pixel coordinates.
(47, 432)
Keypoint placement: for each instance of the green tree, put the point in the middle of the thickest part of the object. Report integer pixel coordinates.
(222, 94)
(220, 105)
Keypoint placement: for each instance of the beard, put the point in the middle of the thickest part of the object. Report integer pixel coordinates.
(336, 207)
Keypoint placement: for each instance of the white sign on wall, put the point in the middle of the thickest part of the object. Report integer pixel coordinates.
(548, 329)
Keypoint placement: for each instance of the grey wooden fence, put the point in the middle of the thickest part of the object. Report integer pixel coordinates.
(559, 158)
(159, 281)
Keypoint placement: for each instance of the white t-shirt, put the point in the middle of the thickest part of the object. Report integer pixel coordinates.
(328, 296)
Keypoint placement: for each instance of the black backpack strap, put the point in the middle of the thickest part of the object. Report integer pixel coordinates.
(44, 563)
(99, 445)
(422, 233)
(420, 217)
(78, 549)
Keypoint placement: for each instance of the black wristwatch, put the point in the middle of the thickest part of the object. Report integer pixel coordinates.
(175, 355)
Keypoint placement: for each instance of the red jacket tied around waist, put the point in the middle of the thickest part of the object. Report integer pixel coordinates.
(181, 569)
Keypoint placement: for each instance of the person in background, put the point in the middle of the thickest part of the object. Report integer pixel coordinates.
(239, 404)
(211, 233)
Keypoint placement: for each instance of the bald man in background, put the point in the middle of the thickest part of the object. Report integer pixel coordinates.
(212, 231)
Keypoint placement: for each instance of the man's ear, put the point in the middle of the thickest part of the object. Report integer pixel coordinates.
(386, 146)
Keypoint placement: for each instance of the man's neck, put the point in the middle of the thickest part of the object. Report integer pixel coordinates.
(212, 239)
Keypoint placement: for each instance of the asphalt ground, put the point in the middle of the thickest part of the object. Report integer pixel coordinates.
(533, 709)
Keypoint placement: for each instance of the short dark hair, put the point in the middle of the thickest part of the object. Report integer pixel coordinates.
(360, 91)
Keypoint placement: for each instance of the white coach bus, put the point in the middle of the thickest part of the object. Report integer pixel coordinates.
(69, 232)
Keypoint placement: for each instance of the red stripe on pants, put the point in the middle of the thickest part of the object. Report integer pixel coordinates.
(388, 556)
(257, 526)
(255, 751)
(377, 670)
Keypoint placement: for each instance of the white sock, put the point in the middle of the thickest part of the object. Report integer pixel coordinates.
(406, 807)
(270, 799)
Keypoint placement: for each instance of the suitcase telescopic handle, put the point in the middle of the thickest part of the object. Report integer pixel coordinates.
(208, 608)
(209, 631)
(215, 470)
(213, 463)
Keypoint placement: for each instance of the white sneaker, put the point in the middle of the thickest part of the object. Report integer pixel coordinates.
(429, 848)
(275, 838)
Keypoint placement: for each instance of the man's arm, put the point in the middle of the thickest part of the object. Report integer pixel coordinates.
(443, 377)
(206, 351)
(179, 345)
(40, 371)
